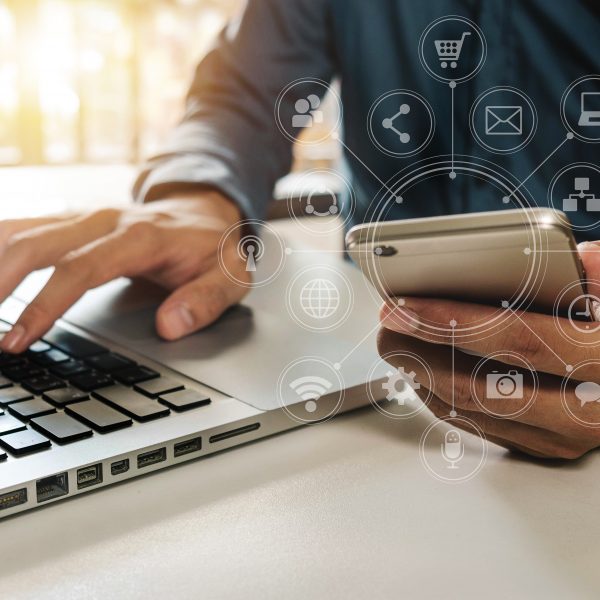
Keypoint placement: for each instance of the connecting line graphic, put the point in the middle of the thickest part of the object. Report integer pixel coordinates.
(567, 366)
(452, 85)
(453, 409)
(568, 137)
(342, 143)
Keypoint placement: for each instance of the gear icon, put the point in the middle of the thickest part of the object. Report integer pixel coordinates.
(400, 386)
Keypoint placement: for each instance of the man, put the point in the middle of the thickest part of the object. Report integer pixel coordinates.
(223, 160)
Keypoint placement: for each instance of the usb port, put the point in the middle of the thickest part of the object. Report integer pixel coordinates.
(88, 476)
(187, 447)
(52, 487)
(120, 466)
(13, 498)
(151, 458)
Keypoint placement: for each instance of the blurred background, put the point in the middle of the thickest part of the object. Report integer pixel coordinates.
(89, 88)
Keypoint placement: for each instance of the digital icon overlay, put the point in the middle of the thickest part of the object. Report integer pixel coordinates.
(580, 396)
(401, 394)
(502, 390)
(401, 123)
(503, 120)
(310, 390)
(251, 246)
(320, 298)
(453, 449)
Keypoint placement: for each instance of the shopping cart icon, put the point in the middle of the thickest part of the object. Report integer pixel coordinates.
(449, 50)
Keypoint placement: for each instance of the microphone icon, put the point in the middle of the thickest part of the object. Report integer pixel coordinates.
(453, 449)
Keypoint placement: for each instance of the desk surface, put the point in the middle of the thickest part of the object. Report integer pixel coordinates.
(343, 509)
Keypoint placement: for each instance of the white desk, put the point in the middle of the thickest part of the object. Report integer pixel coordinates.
(339, 510)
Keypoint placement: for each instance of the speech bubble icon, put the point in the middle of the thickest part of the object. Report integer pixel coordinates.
(587, 391)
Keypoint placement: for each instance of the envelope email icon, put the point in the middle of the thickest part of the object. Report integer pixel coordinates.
(504, 120)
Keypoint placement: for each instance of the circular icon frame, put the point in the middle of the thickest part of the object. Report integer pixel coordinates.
(472, 428)
(474, 27)
(383, 98)
(524, 142)
(328, 90)
(563, 394)
(495, 356)
(319, 269)
(563, 109)
(559, 213)
(422, 402)
(252, 225)
(286, 406)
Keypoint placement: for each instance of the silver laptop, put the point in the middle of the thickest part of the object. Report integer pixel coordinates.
(102, 399)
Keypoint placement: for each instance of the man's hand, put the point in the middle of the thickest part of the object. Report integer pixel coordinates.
(172, 242)
(545, 429)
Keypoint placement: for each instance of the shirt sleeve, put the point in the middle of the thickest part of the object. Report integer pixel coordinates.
(228, 139)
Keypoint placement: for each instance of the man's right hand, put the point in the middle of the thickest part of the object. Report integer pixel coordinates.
(172, 242)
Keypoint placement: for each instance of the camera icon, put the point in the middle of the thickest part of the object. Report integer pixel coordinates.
(504, 385)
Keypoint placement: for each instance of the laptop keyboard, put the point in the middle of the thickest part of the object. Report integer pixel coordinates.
(66, 388)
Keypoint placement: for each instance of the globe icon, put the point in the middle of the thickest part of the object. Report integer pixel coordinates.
(319, 298)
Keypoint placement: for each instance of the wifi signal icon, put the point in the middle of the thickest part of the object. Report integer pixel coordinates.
(310, 388)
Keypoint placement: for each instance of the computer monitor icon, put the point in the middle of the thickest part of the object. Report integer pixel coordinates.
(590, 109)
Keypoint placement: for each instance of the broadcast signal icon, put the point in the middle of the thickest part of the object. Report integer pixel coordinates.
(310, 388)
(250, 249)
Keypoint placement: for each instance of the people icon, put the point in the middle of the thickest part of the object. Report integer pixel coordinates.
(306, 112)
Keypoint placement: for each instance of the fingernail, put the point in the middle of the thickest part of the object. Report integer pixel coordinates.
(13, 338)
(178, 320)
(400, 319)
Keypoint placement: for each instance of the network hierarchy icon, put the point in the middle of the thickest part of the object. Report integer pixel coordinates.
(401, 123)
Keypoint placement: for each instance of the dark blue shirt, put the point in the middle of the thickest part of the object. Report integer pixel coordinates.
(229, 138)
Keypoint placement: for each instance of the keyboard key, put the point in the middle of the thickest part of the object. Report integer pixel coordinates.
(109, 362)
(43, 383)
(24, 442)
(39, 347)
(72, 344)
(141, 408)
(98, 415)
(135, 374)
(11, 359)
(31, 408)
(91, 381)
(20, 372)
(158, 386)
(4, 382)
(8, 424)
(69, 368)
(184, 399)
(50, 358)
(61, 428)
(64, 396)
(13, 394)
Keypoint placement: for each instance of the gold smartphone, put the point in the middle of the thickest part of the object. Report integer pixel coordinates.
(526, 257)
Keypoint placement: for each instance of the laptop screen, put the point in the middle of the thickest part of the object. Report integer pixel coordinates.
(590, 102)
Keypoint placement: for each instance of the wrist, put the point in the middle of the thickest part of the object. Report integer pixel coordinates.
(205, 202)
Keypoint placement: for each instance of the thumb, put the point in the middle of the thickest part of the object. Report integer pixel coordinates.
(590, 256)
(196, 304)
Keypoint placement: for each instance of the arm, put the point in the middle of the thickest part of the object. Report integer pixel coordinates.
(228, 139)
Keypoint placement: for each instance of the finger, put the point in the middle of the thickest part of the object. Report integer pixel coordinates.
(46, 244)
(531, 335)
(513, 435)
(10, 227)
(197, 304)
(590, 257)
(457, 387)
(123, 253)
